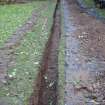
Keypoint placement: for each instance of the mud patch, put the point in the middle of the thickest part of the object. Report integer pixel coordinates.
(45, 91)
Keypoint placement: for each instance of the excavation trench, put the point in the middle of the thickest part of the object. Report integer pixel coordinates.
(45, 90)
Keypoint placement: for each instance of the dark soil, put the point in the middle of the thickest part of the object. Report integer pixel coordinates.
(45, 91)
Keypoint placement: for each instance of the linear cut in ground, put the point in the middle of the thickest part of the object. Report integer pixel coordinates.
(45, 91)
(24, 68)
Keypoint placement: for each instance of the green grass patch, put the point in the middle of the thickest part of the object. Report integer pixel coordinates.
(61, 81)
(91, 4)
(13, 16)
(28, 56)
(61, 71)
(101, 12)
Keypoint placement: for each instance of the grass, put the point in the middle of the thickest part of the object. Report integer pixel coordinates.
(61, 82)
(61, 72)
(101, 12)
(28, 56)
(12, 17)
(90, 4)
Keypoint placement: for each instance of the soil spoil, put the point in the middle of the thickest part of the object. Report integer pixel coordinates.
(85, 56)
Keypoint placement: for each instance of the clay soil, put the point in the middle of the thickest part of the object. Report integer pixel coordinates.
(45, 91)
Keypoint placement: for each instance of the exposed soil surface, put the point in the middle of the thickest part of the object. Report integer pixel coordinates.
(85, 57)
(45, 91)
(7, 51)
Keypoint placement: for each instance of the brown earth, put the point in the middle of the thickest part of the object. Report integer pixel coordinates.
(45, 91)
(85, 73)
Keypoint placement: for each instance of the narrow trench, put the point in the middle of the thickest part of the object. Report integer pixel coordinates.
(45, 90)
